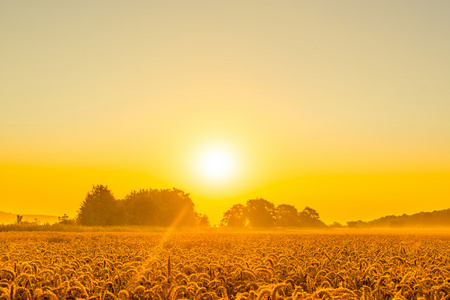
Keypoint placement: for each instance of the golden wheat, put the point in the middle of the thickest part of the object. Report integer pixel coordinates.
(132, 266)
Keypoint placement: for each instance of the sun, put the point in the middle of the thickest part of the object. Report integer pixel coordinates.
(216, 164)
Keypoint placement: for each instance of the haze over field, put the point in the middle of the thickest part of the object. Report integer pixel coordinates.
(10, 218)
(340, 106)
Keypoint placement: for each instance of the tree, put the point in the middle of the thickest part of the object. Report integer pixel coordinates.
(310, 213)
(235, 217)
(65, 220)
(140, 208)
(98, 208)
(19, 219)
(309, 217)
(176, 208)
(202, 220)
(286, 216)
(260, 213)
(336, 225)
(357, 224)
(120, 217)
(153, 207)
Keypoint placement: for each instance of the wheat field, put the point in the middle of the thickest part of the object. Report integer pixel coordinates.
(210, 266)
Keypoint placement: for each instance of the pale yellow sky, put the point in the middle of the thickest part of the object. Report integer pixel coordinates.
(341, 106)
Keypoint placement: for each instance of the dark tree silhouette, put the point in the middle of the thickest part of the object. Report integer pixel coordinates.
(202, 220)
(261, 213)
(65, 220)
(159, 208)
(357, 224)
(423, 219)
(176, 208)
(286, 216)
(310, 212)
(120, 218)
(336, 225)
(151, 207)
(140, 208)
(98, 208)
(310, 218)
(235, 217)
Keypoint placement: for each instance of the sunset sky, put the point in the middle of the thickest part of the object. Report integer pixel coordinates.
(343, 106)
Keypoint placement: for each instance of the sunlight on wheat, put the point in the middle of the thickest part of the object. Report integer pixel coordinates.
(223, 266)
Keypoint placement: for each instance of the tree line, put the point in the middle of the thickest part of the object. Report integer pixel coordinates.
(419, 220)
(174, 207)
(260, 213)
(146, 207)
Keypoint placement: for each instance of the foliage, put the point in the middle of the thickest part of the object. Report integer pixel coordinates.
(147, 207)
(202, 220)
(98, 208)
(65, 220)
(310, 218)
(357, 224)
(287, 216)
(159, 208)
(235, 217)
(420, 220)
(336, 225)
(262, 214)
(19, 219)
(35, 227)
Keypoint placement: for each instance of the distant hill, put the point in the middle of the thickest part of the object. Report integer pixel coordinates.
(8, 218)
(437, 218)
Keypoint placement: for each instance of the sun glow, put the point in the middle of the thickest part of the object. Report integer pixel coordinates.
(216, 164)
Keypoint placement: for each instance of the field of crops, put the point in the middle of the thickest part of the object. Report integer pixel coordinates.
(212, 266)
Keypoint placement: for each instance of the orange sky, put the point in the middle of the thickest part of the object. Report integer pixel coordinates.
(343, 107)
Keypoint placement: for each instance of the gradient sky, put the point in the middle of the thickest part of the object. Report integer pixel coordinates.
(343, 106)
